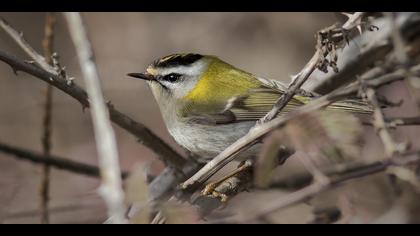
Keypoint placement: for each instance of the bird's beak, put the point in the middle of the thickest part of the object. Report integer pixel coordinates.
(144, 76)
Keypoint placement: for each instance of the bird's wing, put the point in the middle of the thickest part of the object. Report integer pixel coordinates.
(257, 102)
(249, 106)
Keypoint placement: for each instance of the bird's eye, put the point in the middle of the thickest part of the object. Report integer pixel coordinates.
(173, 77)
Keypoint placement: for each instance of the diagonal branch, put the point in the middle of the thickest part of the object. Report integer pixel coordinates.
(18, 37)
(323, 48)
(53, 76)
(257, 133)
(166, 153)
(344, 174)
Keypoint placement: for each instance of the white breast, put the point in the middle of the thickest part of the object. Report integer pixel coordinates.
(208, 141)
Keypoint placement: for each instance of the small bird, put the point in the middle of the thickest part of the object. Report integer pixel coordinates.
(208, 104)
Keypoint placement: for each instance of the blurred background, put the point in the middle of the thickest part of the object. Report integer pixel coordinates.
(271, 45)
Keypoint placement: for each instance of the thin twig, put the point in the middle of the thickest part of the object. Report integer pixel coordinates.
(373, 49)
(53, 76)
(398, 121)
(46, 136)
(380, 125)
(166, 153)
(317, 60)
(53, 161)
(111, 186)
(18, 37)
(257, 133)
(316, 188)
(323, 48)
(297, 82)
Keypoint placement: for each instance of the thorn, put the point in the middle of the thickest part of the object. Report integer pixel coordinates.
(109, 104)
(51, 79)
(70, 81)
(21, 34)
(294, 77)
(348, 15)
(15, 71)
(359, 28)
(31, 62)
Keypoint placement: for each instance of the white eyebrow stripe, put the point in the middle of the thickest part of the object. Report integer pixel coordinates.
(193, 69)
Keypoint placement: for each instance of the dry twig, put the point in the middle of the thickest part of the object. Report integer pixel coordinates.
(255, 134)
(18, 37)
(324, 47)
(53, 161)
(46, 136)
(54, 76)
(111, 187)
(343, 174)
(380, 125)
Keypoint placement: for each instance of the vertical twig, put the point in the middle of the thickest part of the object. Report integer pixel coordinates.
(380, 125)
(47, 44)
(111, 189)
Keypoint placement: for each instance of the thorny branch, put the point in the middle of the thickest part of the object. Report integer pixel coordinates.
(111, 186)
(46, 136)
(56, 76)
(18, 38)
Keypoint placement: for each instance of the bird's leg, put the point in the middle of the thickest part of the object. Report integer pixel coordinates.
(210, 189)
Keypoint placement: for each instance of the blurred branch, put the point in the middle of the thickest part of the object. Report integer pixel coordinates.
(368, 56)
(53, 76)
(380, 124)
(324, 47)
(340, 175)
(111, 186)
(47, 44)
(376, 47)
(257, 133)
(398, 121)
(54, 161)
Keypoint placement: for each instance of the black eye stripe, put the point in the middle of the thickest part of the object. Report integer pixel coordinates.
(173, 77)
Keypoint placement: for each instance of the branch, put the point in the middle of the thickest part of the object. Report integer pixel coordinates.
(294, 86)
(57, 78)
(47, 44)
(54, 161)
(257, 133)
(398, 121)
(168, 155)
(380, 124)
(366, 51)
(323, 48)
(341, 175)
(18, 37)
(111, 186)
